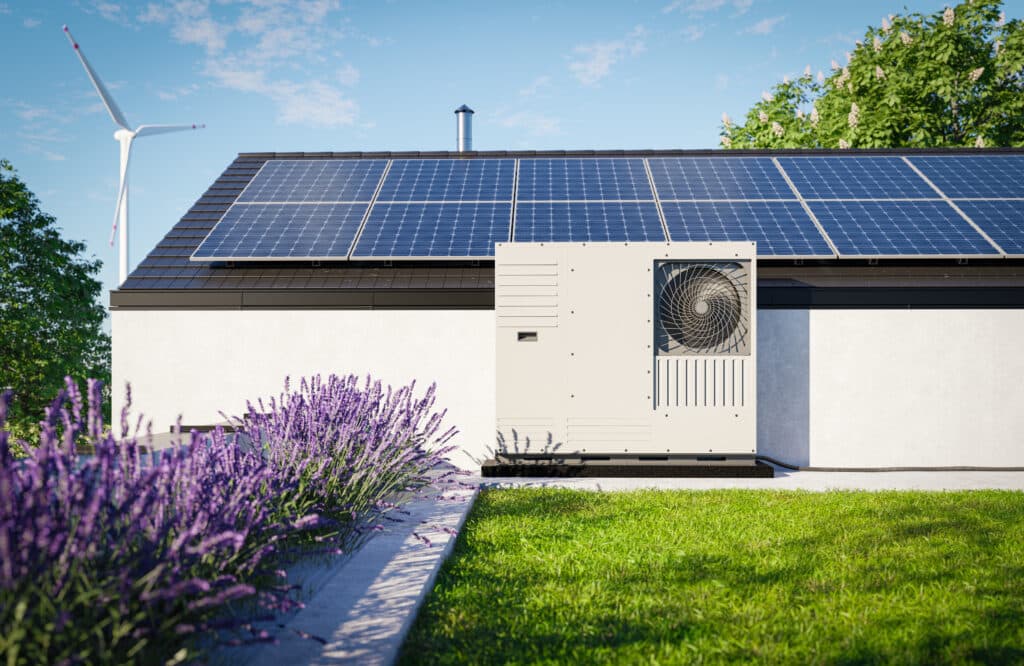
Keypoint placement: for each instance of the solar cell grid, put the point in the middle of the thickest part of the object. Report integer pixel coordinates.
(687, 178)
(407, 230)
(780, 228)
(299, 181)
(855, 178)
(283, 231)
(1003, 221)
(890, 228)
(974, 176)
(604, 179)
(448, 180)
(588, 221)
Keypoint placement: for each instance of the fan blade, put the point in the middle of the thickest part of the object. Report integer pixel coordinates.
(108, 101)
(149, 130)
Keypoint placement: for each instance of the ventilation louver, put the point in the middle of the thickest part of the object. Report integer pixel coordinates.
(703, 308)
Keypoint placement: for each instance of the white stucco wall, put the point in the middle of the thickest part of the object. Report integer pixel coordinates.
(836, 388)
(198, 363)
(884, 388)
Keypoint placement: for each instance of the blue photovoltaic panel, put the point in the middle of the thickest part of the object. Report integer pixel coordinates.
(448, 180)
(283, 231)
(1003, 221)
(604, 179)
(978, 176)
(780, 228)
(588, 221)
(855, 178)
(871, 228)
(397, 230)
(307, 181)
(718, 178)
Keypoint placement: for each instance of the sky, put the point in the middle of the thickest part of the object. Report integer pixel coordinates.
(326, 75)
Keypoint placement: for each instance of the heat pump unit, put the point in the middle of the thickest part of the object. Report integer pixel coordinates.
(626, 350)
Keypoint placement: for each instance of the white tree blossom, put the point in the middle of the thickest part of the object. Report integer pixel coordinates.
(879, 72)
(876, 44)
(814, 116)
(835, 65)
(885, 25)
(906, 38)
(854, 116)
(726, 142)
(777, 129)
(821, 76)
(948, 16)
(844, 144)
(976, 74)
(807, 70)
(726, 120)
(762, 116)
(979, 142)
(767, 96)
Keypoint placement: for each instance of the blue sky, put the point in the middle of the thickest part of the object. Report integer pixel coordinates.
(316, 75)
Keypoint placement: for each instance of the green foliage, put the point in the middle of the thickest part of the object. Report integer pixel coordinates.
(952, 78)
(730, 576)
(50, 317)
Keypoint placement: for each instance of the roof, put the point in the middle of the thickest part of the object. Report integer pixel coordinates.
(166, 277)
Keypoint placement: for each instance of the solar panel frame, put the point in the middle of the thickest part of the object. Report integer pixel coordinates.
(402, 185)
(982, 181)
(871, 211)
(376, 230)
(267, 216)
(267, 175)
(529, 214)
(690, 183)
(847, 178)
(683, 218)
(1012, 215)
(580, 177)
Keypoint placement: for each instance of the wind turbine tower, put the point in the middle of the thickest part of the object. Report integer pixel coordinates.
(124, 136)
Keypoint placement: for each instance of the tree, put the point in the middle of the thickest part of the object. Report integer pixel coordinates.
(952, 78)
(50, 319)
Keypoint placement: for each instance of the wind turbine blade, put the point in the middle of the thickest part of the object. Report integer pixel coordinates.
(120, 195)
(147, 130)
(108, 101)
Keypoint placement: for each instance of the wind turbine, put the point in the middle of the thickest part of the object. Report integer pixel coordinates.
(124, 135)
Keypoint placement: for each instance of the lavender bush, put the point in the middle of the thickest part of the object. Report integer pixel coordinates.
(124, 557)
(355, 447)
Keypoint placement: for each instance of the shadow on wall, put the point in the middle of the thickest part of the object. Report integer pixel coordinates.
(783, 385)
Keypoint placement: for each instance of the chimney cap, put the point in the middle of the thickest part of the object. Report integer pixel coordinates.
(463, 109)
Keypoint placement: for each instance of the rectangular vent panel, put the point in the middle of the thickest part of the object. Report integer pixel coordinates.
(526, 295)
(526, 435)
(699, 382)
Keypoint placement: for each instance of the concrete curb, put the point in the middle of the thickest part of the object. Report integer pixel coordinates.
(365, 610)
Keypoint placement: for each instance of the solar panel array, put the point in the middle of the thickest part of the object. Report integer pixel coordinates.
(792, 206)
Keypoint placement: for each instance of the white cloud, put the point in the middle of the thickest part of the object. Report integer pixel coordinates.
(314, 103)
(764, 26)
(30, 113)
(692, 33)
(348, 75)
(536, 86)
(203, 31)
(111, 11)
(704, 6)
(534, 124)
(55, 157)
(31, 23)
(597, 59)
(175, 93)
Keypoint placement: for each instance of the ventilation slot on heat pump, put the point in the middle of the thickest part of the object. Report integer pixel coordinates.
(699, 382)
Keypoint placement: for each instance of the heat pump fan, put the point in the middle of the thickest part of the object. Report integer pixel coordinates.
(703, 308)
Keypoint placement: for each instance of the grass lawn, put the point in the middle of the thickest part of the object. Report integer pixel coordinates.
(657, 577)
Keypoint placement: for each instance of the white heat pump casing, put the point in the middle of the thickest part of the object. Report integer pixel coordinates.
(578, 369)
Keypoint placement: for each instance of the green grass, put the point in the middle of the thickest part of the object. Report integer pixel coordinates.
(650, 577)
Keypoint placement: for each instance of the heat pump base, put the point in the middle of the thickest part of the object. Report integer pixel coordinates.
(626, 469)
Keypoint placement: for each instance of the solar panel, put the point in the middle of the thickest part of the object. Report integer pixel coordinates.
(606, 179)
(435, 230)
(298, 181)
(974, 176)
(283, 231)
(448, 180)
(588, 221)
(780, 228)
(870, 228)
(1003, 221)
(718, 178)
(855, 178)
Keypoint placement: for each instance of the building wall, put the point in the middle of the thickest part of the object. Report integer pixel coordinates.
(197, 363)
(836, 388)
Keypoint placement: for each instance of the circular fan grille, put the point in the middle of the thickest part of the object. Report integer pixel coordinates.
(702, 309)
